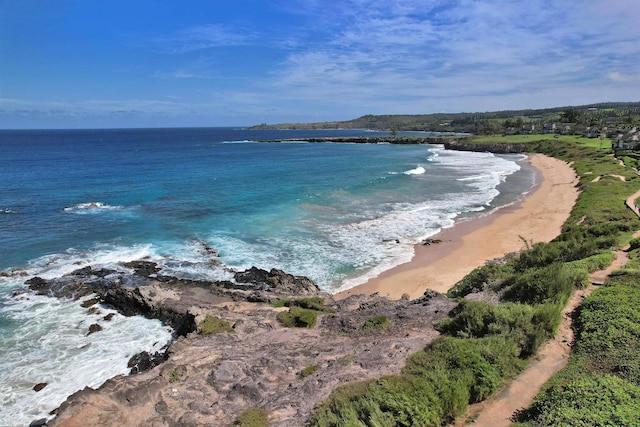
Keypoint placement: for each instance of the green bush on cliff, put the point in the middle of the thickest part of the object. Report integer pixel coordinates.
(377, 323)
(309, 370)
(436, 385)
(253, 417)
(528, 326)
(311, 303)
(298, 317)
(479, 279)
(303, 312)
(551, 284)
(213, 325)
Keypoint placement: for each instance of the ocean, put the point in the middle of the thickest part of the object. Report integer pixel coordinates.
(337, 213)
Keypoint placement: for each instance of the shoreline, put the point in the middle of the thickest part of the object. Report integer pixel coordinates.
(538, 217)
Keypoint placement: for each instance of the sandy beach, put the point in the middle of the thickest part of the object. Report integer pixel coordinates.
(469, 244)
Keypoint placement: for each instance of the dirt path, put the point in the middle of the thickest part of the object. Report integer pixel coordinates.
(631, 203)
(551, 358)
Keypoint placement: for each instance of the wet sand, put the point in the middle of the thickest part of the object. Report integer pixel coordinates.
(469, 244)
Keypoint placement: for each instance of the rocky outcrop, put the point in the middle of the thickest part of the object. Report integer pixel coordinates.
(210, 380)
(148, 293)
(400, 140)
(276, 281)
(498, 148)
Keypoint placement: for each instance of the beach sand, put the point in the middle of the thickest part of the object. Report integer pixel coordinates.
(469, 244)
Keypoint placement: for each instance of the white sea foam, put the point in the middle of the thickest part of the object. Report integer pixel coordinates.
(474, 178)
(48, 342)
(46, 338)
(91, 207)
(416, 171)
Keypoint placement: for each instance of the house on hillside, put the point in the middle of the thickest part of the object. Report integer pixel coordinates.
(626, 140)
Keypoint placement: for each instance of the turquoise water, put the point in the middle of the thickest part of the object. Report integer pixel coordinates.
(337, 213)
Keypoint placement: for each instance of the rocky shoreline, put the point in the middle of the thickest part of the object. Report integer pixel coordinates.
(400, 140)
(450, 143)
(257, 362)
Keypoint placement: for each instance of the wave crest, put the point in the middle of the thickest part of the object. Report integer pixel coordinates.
(416, 171)
(91, 207)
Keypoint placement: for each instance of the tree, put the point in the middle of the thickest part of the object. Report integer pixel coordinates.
(572, 115)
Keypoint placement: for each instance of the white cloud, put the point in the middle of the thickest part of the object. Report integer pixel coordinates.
(202, 37)
(395, 52)
(618, 77)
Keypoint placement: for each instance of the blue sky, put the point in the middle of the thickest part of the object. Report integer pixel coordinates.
(140, 63)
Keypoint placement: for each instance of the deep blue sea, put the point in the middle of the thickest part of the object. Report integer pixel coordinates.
(337, 213)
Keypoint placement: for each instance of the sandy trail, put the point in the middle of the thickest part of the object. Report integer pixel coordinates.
(553, 356)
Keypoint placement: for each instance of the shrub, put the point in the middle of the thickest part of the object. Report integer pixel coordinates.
(174, 376)
(213, 325)
(478, 279)
(551, 284)
(585, 400)
(309, 370)
(253, 417)
(298, 317)
(313, 303)
(377, 323)
(634, 243)
(282, 302)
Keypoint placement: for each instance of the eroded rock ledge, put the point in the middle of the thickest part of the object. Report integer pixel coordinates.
(208, 380)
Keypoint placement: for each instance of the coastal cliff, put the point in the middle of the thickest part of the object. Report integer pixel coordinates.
(251, 359)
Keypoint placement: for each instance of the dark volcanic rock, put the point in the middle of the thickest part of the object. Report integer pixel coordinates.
(277, 281)
(131, 302)
(144, 361)
(143, 268)
(94, 328)
(491, 148)
(39, 386)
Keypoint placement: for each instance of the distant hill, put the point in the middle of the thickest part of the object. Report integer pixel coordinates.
(608, 114)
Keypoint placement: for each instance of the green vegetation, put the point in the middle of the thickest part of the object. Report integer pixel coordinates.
(601, 384)
(212, 325)
(484, 344)
(282, 302)
(303, 312)
(378, 323)
(253, 417)
(309, 370)
(567, 120)
(174, 376)
(298, 317)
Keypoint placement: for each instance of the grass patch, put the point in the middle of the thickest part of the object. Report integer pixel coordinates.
(253, 417)
(174, 376)
(298, 317)
(378, 323)
(213, 325)
(303, 312)
(279, 303)
(309, 370)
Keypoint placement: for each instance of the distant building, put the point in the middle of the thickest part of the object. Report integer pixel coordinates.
(626, 140)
